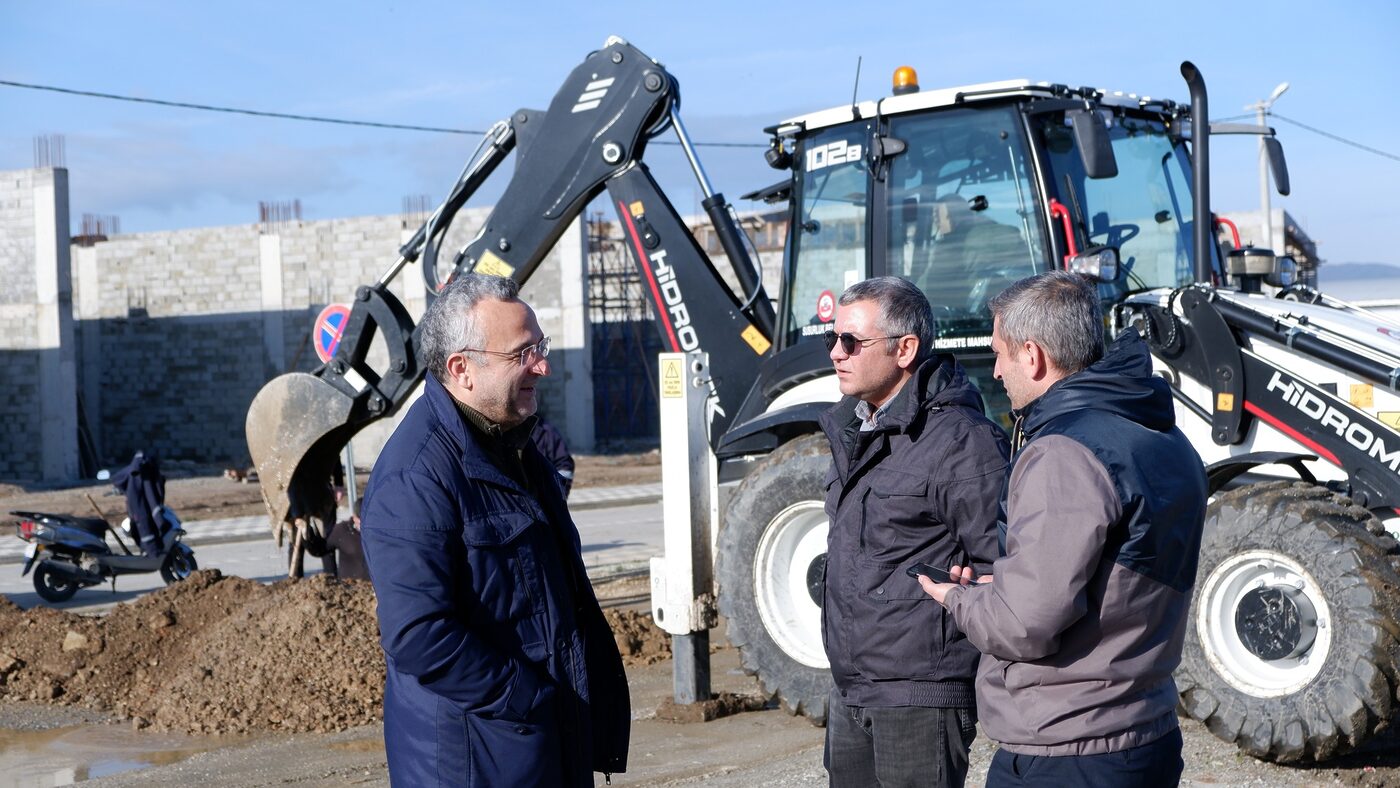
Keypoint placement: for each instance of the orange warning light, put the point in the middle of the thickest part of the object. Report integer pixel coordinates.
(906, 80)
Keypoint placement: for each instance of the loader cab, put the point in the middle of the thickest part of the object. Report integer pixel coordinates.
(964, 191)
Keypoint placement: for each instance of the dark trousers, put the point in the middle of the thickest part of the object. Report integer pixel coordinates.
(1157, 764)
(898, 746)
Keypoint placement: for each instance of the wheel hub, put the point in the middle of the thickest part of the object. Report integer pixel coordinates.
(1264, 623)
(1276, 622)
(816, 576)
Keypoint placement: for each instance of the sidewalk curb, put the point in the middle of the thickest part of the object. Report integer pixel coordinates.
(598, 499)
(635, 500)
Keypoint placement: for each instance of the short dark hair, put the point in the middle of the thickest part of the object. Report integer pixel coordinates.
(1057, 310)
(449, 326)
(904, 309)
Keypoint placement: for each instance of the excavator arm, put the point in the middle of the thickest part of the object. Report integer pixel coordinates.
(592, 138)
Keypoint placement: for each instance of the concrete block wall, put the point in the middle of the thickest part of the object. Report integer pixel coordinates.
(179, 330)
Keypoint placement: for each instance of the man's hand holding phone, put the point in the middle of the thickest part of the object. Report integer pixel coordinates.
(938, 582)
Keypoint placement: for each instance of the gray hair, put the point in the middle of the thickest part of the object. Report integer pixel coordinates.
(1057, 310)
(449, 326)
(904, 309)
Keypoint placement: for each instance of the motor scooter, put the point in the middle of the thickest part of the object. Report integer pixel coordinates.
(68, 553)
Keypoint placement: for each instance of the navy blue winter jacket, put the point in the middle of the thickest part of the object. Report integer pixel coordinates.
(501, 668)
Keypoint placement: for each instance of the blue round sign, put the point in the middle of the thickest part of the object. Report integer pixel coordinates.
(330, 324)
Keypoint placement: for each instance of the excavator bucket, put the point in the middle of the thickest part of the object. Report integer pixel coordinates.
(296, 427)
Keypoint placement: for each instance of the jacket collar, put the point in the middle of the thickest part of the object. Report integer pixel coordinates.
(1121, 383)
(476, 462)
(940, 381)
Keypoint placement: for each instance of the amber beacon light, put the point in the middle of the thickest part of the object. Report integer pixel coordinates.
(906, 80)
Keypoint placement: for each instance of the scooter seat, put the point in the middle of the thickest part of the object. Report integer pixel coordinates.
(90, 525)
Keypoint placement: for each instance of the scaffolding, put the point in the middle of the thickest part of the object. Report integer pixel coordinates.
(625, 344)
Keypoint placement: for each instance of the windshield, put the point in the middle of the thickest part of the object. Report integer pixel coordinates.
(830, 236)
(963, 216)
(1145, 211)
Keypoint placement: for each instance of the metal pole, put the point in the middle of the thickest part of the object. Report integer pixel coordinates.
(350, 493)
(682, 581)
(1263, 108)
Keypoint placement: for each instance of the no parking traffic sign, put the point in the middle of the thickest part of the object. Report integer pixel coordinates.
(330, 324)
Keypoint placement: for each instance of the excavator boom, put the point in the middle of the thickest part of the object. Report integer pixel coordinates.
(592, 138)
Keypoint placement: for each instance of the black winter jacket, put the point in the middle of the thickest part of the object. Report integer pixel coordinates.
(924, 487)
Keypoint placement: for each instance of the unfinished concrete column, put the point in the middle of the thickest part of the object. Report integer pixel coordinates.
(577, 336)
(274, 337)
(87, 307)
(53, 325)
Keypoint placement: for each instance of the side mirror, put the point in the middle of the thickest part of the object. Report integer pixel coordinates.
(1099, 263)
(1095, 148)
(1277, 165)
(103, 475)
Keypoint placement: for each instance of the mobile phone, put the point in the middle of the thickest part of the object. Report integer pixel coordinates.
(933, 573)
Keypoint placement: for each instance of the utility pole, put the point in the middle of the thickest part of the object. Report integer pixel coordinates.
(1263, 108)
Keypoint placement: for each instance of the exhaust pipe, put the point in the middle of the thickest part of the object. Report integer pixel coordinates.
(1200, 171)
(75, 573)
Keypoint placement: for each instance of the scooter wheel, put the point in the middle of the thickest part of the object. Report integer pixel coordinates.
(179, 564)
(53, 587)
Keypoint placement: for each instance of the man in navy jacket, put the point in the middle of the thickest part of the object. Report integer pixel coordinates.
(501, 669)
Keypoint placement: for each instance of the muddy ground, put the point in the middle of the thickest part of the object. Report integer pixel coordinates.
(290, 676)
(261, 685)
(202, 493)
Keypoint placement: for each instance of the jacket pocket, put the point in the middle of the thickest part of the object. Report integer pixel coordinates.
(506, 752)
(896, 628)
(501, 551)
(896, 517)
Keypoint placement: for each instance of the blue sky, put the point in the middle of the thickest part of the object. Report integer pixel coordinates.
(741, 66)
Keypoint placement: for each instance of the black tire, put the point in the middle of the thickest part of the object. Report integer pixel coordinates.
(1339, 688)
(179, 564)
(53, 587)
(782, 495)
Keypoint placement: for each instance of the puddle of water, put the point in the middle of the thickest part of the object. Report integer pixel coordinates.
(63, 756)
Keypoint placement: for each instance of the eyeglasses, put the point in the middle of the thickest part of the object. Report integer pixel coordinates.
(849, 341)
(528, 355)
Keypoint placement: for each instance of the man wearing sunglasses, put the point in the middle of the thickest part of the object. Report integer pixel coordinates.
(916, 474)
(501, 669)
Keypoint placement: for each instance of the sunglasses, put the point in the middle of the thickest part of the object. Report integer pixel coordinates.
(848, 341)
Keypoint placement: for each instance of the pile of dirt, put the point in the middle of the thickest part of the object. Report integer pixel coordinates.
(638, 638)
(213, 654)
(218, 654)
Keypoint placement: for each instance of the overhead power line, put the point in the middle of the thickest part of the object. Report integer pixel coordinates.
(305, 118)
(1342, 140)
(237, 111)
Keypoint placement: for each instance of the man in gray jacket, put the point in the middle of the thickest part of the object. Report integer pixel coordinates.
(1082, 620)
(916, 470)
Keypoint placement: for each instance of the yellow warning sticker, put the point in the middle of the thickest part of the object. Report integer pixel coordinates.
(1390, 418)
(636, 209)
(1224, 401)
(756, 340)
(1363, 395)
(672, 382)
(493, 265)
